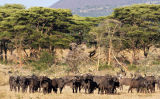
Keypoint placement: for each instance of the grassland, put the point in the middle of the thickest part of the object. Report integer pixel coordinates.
(67, 92)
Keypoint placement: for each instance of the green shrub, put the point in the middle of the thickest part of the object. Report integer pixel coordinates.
(44, 62)
(4, 62)
(104, 66)
(156, 62)
(39, 66)
(7, 62)
(46, 57)
(132, 67)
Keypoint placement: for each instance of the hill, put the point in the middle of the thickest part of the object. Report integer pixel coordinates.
(96, 8)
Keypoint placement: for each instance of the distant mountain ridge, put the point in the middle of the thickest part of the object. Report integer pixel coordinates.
(96, 8)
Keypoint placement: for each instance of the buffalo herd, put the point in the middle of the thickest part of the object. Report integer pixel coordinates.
(107, 84)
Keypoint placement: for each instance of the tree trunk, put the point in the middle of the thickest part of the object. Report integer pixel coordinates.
(125, 69)
(146, 50)
(99, 49)
(11, 51)
(99, 53)
(1, 51)
(39, 49)
(109, 52)
(50, 48)
(20, 54)
(5, 51)
(25, 52)
(52, 51)
(16, 52)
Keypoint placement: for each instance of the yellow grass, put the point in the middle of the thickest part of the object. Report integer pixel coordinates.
(67, 94)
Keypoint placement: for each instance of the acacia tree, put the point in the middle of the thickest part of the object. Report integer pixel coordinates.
(112, 26)
(19, 27)
(105, 35)
(140, 26)
(6, 12)
(81, 26)
(48, 24)
(13, 6)
(27, 29)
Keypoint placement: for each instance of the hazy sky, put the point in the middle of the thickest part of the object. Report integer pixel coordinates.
(29, 3)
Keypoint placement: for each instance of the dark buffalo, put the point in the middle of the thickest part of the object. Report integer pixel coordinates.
(88, 84)
(152, 81)
(77, 83)
(61, 83)
(98, 80)
(54, 85)
(158, 83)
(24, 83)
(46, 84)
(13, 83)
(109, 85)
(138, 84)
(124, 81)
(34, 84)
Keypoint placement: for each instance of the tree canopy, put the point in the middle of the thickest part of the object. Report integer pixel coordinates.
(40, 28)
(140, 25)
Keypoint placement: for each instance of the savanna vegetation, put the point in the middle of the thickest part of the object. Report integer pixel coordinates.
(40, 30)
(32, 36)
(54, 42)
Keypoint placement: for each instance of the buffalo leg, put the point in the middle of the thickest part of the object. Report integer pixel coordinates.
(61, 90)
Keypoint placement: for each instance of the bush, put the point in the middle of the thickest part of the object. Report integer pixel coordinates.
(46, 57)
(4, 62)
(132, 67)
(44, 62)
(39, 66)
(156, 62)
(104, 66)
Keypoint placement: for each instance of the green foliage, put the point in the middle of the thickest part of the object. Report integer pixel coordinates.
(60, 40)
(46, 57)
(51, 26)
(13, 6)
(104, 66)
(156, 62)
(132, 67)
(40, 28)
(44, 62)
(140, 26)
(39, 66)
(4, 62)
(68, 69)
(83, 25)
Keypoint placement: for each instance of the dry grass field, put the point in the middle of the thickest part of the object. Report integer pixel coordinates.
(67, 92)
